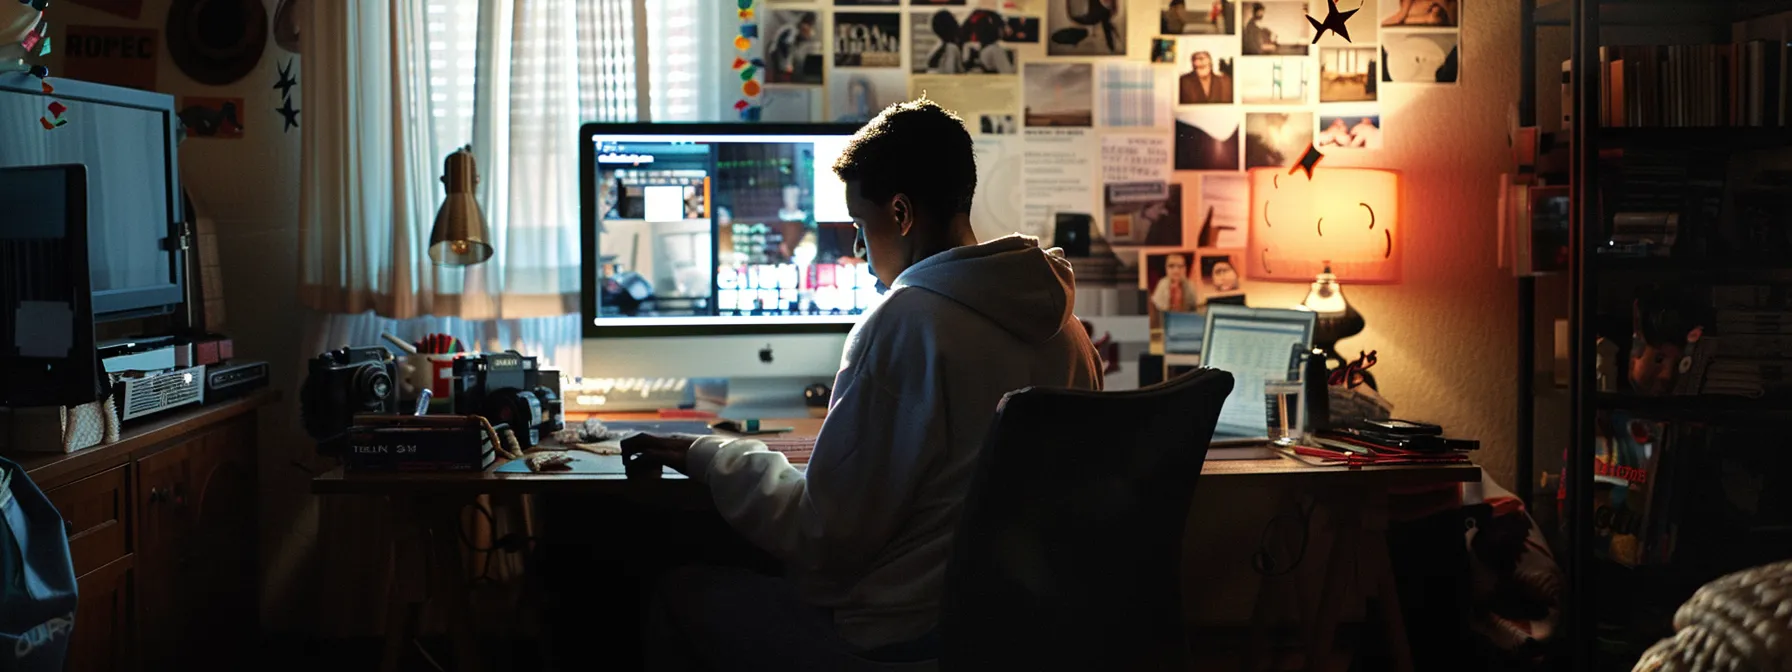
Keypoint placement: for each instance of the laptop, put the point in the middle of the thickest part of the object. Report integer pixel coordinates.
(1254, 345)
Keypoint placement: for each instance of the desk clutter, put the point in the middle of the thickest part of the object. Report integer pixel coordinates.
(497, 404)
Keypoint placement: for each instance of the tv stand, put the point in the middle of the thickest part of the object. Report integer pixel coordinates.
(163, 531)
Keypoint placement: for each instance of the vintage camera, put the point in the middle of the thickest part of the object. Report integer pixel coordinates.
(508, 388)
(341, 384)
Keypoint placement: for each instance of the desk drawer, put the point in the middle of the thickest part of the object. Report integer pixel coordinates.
(96, 511)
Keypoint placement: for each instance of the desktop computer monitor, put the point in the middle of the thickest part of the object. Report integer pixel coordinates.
(717, 251)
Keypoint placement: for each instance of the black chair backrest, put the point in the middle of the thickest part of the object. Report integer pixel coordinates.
(1068, 554)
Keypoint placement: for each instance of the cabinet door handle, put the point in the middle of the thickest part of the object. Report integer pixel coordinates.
(158, 495)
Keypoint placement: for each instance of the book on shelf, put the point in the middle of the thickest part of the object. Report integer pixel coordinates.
(1627, 460)
(1690, 85)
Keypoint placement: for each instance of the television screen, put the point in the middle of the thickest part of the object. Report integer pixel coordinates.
(125, 139)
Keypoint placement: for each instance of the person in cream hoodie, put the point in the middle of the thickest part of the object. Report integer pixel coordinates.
(865, 531)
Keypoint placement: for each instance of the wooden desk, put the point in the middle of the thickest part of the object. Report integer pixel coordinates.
(1357, 497)
(612, 481)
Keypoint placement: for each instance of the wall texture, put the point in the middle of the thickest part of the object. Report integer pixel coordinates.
(1445, 334)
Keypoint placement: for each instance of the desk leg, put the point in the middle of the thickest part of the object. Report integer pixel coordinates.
(405, 588)
(1341, 564)
(448, 576)
(1380, 566)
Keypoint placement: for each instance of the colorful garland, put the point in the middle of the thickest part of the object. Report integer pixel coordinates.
(749, 68)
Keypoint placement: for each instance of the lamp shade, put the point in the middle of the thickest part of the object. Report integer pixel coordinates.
(1345, 218)
(459, 237)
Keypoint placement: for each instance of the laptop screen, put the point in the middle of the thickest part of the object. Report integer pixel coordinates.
(1254, 345)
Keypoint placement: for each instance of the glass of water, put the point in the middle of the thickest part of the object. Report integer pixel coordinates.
(1282, 400)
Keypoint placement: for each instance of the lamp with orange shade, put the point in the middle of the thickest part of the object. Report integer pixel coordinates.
(1340, 225)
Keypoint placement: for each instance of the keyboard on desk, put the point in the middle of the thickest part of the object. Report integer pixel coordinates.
(796, 449)
(617, 395)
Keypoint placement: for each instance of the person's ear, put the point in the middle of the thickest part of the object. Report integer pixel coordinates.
(902, 212)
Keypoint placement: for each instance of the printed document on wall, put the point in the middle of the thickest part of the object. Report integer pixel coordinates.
(1057, 176)
(1135, 158)
(997, 208)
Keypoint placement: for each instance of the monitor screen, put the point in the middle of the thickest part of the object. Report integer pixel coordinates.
(46, 326)
(705, 226)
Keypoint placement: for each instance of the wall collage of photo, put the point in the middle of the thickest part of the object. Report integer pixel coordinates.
(1138, 116)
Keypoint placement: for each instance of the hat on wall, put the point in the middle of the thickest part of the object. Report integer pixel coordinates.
(286, 25)
(217, 42)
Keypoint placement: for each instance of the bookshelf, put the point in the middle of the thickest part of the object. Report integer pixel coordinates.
(1732, 137)
(1651, 13)
(1668, 118)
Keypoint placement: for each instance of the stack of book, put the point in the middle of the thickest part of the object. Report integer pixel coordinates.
(1749, 352)
(1663, 203)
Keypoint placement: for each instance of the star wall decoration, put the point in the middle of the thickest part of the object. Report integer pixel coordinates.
(291, 115)
(287, 81)
(1334, 21)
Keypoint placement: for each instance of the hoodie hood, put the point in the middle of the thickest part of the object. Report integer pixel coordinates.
(1024, 289)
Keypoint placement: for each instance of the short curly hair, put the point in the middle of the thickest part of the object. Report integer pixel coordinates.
(916, 148)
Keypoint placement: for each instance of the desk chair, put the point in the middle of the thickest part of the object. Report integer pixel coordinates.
(1069, 552)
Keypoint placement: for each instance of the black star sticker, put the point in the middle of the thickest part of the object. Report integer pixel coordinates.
(1334, 21)
(1308, 161)
(292, 115)
(287, 81)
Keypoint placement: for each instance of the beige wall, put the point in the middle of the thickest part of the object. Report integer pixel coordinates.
(1445, 334)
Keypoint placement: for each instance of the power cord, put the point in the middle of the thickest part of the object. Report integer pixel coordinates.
(1264, 562)
(513, 542)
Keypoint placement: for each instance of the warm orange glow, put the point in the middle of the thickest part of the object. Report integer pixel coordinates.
(1349, 217)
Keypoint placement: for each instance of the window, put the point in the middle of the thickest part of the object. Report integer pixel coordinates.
(453, 44)
(684, 59)
(672, 71)
(608, 56)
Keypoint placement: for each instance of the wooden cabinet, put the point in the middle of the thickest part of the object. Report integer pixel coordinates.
(103, 639)
(196, 508)
(162, 530)
(96, 510)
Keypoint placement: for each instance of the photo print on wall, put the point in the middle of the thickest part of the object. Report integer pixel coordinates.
(959, 41)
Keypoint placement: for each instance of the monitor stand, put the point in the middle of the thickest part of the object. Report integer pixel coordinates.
(757, 397)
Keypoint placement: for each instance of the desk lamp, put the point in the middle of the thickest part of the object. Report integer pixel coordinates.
(459, 238)
(1340, 224)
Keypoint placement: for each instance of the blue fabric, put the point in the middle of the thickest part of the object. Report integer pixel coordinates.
(37, 579)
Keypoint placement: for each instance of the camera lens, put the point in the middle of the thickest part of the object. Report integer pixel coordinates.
(372, 386)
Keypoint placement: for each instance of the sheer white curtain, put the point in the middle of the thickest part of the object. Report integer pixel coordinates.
(392, 88)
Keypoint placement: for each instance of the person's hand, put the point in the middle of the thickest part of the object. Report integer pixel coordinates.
(672, 450)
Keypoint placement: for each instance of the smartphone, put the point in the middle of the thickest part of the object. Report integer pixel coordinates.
(748, 428)
(1403, 427)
